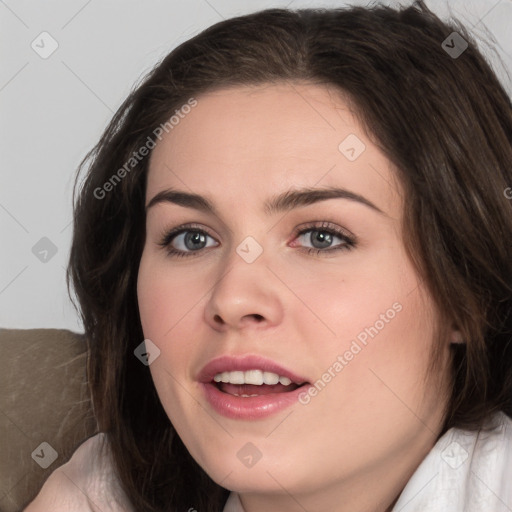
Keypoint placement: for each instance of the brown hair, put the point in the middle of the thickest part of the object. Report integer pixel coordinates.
(445, 122)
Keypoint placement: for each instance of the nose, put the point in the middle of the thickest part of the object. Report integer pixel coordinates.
(245, 295)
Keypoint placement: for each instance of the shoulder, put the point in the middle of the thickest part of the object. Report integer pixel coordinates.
(485, 459)
(465, 471)
(490, 450)
(86, 483)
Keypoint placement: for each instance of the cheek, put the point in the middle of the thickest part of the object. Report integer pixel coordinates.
(385, 378)
(170, 303)
(165, 297)
(381, 322)
(360, 301)
(166, 301)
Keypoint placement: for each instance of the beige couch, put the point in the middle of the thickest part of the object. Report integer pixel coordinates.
(43, 399)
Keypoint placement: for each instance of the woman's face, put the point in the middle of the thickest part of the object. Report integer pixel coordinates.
(351, 315)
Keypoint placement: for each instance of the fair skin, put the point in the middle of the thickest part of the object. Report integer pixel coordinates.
(355, 445)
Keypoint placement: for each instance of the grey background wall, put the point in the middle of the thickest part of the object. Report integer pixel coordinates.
(66, 67)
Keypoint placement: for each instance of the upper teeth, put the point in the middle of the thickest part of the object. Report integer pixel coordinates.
(256, 377)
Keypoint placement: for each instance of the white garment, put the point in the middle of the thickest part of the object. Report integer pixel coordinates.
(464, 472)
(86, 483)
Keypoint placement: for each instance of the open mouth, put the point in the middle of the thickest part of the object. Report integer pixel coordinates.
(251, 390)
(250, 387)
(252, 401)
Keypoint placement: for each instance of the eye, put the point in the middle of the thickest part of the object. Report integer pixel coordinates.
(323, 235)
(189, 239)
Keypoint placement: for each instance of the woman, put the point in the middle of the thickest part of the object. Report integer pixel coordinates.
(343, 324)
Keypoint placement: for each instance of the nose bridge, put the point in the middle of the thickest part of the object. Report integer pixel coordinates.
(245, 290)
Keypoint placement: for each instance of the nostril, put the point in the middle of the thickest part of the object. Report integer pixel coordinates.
(258, 317)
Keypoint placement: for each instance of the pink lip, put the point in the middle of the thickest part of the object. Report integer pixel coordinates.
(247, 408)
(249, 362)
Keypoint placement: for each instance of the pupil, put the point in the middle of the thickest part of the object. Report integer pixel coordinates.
(194, 238)
(325, 238)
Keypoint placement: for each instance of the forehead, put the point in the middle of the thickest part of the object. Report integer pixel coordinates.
(245, 143)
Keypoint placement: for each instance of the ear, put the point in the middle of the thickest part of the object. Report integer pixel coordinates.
(456, 337)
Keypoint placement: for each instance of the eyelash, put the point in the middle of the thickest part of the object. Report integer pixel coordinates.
(324, 227)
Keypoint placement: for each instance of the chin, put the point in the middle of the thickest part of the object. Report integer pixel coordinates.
(265, 476)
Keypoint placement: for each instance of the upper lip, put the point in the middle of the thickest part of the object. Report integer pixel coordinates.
(244, 363)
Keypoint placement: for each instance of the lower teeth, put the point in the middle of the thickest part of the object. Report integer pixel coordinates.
(235, 394)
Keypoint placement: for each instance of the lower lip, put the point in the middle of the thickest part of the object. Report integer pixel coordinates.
(252, 407)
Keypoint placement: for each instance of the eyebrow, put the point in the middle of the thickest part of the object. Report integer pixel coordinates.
(283, 202)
